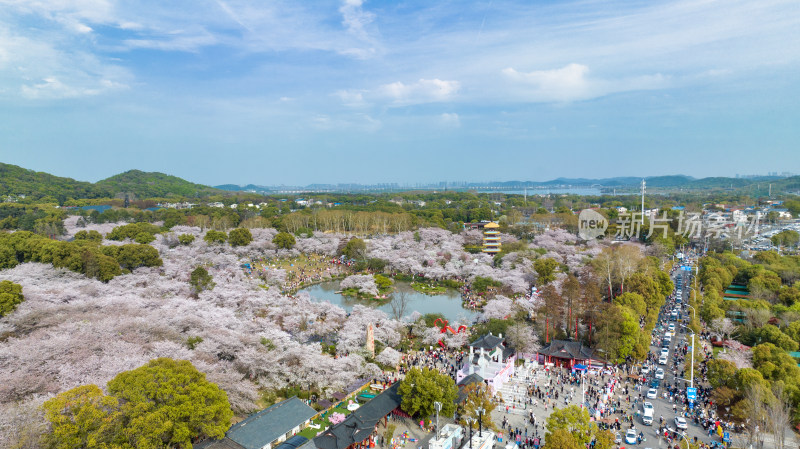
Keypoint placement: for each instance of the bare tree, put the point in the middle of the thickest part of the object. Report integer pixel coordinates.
(399, 304)
(724, 327)
(758, 317)
(605, 266)
(778, 415)
(756, 412)
(523, 338)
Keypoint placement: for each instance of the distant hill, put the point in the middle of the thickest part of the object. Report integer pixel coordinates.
(15, 180)
(247, 188)
(154, 185)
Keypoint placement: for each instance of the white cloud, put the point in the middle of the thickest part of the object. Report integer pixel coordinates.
(355, 122)
(401, 94)
(572, 83)
(423, 91)
(450, 120)
(351, 98)
(53, 88)
(38, 69)
(565, 84)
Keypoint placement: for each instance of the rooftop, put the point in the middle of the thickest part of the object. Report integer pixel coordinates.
(360, 424)
(270, 424)
(488, 342)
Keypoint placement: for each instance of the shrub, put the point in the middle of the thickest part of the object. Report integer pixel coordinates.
(213, 236)
(130, 231)
(10, 297)
(240, 237)
(284, 240)
(143, 238)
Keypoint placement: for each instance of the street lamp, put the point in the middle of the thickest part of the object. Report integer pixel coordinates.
(583, 390)
(438, 406)
(469, 421)
(694, 312)
(480, 411)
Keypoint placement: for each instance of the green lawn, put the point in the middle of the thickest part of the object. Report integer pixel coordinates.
(310, 432)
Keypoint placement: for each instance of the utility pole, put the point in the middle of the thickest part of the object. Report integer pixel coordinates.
(691, 372)
(480, 411)
(469, 421)
(643, 187)
(583, 390)
(438, 406)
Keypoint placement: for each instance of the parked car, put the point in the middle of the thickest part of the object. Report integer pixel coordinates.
(680, 423)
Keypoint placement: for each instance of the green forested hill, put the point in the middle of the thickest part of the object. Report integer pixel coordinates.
(154, 185)
(17, 181)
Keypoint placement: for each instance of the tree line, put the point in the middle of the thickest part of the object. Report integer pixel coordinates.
(82, 256)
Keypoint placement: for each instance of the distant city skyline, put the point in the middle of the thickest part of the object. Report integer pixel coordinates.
(245, 92)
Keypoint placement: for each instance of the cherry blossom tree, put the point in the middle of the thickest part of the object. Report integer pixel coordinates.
(364, 283)
(389, 356)
(336, 418)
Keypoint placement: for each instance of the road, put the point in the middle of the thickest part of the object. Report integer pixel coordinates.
(663, 407)
(517, 413)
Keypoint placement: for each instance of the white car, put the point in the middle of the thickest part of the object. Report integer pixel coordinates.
(668, 337)
(659, 373)
(617, 438)
(630, 436)
(652, 393)
(645, 370)
(647, 406)
(680, 423)
(665, 351)
(663, 360)
(671, 327)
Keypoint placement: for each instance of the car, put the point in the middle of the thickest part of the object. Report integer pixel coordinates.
(645, 370)
(680, 423)
(659, 373)
(655, 383)
(665, 351)
(671, 327)
(647, 406)
(617, 438)
(663, 360)
(630, 436)
(652, 393)
(668, 337)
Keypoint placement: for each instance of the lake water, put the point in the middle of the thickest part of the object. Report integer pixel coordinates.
(584, 191)
(448, 303)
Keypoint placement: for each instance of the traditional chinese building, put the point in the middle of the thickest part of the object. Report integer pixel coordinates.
(274, 427)
(491, 238)
(489, 359)
(568, 353)
(360, 428)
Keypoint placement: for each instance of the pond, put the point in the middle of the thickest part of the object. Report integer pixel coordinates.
(448, 303)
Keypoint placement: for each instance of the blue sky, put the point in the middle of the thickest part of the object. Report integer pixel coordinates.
(297, 92)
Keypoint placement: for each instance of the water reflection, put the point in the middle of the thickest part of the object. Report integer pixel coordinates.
(448, 303)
